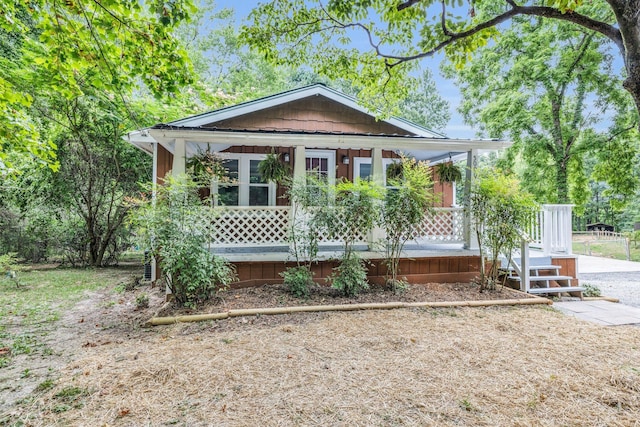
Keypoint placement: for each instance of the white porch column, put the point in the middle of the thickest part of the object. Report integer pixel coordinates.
(377, 170)
(470, 239)
(298, 219)
(154, 180)
(300, 164)
(179, 158)
(377, 176)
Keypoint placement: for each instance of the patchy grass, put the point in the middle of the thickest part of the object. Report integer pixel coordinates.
(603, 248)
(27, 312)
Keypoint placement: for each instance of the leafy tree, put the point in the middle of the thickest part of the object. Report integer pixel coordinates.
(112, 46)
(546, 85)
(398, 33)
(500, 211)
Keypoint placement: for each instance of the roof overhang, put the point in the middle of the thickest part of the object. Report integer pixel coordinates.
(201, 139)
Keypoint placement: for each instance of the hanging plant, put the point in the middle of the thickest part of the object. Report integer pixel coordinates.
(448, 172)
(395, 171)
(271, 169)
(206, 166)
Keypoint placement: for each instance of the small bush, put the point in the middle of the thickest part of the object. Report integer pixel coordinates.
(591, 291)
(350, 277)
(142, 301)
(298, 280)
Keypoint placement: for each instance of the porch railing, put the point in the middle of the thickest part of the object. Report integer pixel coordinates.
(238, 226)
(550, 229)
(445, 226)
(251, 226)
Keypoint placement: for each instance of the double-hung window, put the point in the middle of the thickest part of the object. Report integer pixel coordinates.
(243, 185)
(362, 167)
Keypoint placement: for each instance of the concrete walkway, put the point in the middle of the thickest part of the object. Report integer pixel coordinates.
(615, 278)
(601, 312)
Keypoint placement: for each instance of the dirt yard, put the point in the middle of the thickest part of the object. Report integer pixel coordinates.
(468, 366)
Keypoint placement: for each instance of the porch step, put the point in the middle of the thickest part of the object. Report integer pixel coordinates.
(543, 278)
(559, 290)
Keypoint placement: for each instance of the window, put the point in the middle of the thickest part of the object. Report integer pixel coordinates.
(362, 167)
(245, 187)
(321, 165)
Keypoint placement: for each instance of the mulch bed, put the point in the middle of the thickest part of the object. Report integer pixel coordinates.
(277, 295)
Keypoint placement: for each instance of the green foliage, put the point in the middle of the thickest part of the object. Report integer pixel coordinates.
(176, 226)
(206, 166)
(65, 47)
(591, 290)
(298, 279)
(303, 235)
(328, 36)
(448, 172)
(546, 85)
(142, 301)
(9, 268)
(350, 277)
(271, 169)
(500, 211)
(406, 203)
(355, 212)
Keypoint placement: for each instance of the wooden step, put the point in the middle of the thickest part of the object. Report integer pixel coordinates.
(543, 278)
(534, 268)
(559, 290)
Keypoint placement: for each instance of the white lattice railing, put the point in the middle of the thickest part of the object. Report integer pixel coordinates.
(237, 226)
(446, 225)
(251, 226)
(325, 237)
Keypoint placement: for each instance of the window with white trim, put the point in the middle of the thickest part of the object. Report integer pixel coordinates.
(245, 186)
(362, 167)
(321, 165)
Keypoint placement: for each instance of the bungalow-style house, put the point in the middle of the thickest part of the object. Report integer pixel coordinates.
(319, 130)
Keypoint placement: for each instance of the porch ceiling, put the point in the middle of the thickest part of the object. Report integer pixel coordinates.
(422, 148)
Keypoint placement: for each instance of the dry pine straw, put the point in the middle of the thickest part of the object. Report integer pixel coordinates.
(491, 366)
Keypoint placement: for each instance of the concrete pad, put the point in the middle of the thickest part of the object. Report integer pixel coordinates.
(600, 312)
(593, 264)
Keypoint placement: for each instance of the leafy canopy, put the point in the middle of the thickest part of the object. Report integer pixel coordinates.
(114, 46)
(376, 42)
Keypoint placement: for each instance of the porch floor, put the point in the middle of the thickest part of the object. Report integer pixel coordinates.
(281, 253)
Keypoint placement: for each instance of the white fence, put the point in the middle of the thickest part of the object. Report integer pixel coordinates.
(550, 229)
(445, 226)
(251, 226)
(247, 226)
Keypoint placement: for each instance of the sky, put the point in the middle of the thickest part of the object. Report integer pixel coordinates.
(446, 88)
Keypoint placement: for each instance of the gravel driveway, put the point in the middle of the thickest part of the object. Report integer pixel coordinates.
(622, 285)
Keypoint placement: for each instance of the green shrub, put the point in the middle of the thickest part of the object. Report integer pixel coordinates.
(405, 206)
(142, 301)
(298, 279)
(350, 277)
(500, 212)
(591, 291)
(177, 227)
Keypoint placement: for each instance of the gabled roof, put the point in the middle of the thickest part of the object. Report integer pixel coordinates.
(210, 118)
(216, 130)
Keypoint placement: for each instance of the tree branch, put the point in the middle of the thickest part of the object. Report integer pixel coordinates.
(603, 28)
(406, 4)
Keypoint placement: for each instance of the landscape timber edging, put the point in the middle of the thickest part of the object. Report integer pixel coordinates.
(156, 321)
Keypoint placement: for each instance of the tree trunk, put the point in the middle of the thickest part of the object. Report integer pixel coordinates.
(561, 182)
(628, 16)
